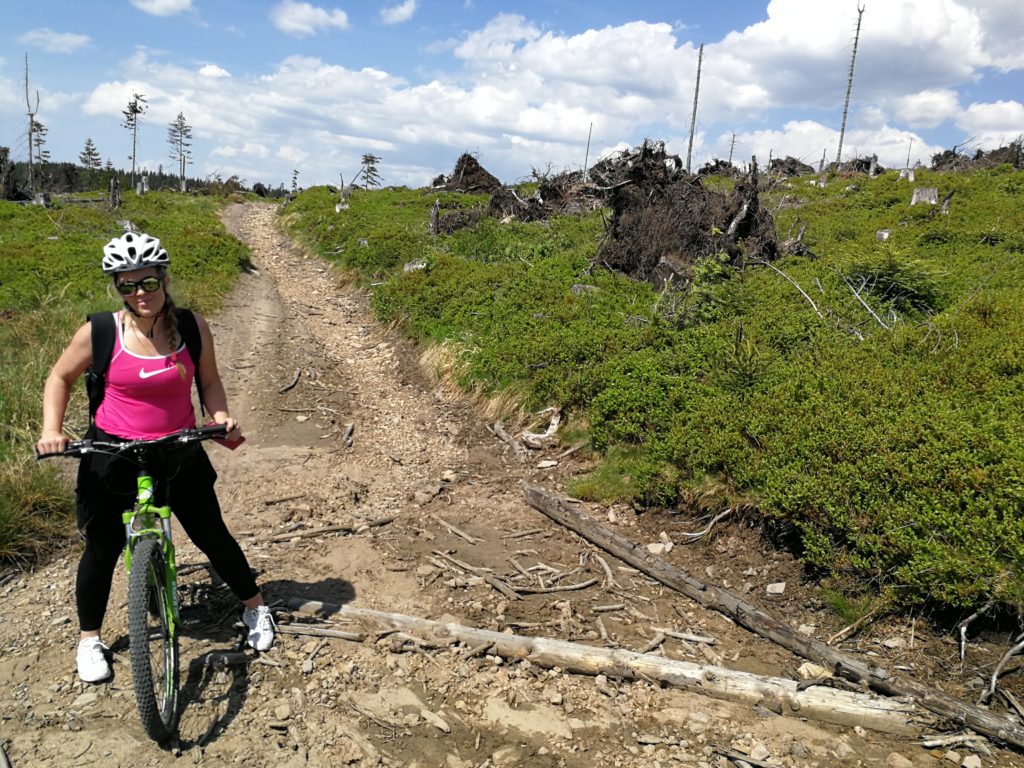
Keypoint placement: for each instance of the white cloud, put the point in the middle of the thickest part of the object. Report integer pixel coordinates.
(54, 42)
(162, 7)
(927, 109)
(303, 19)
(292, 154)
(112, 98)
(212, 70)
(993, 125)
(248, 149)
(8, 95)
(1002, 26)
(400, 13)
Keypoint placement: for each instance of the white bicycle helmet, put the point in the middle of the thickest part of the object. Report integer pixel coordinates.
(133, 250)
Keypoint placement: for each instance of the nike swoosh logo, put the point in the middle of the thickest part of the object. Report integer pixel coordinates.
(146, 374)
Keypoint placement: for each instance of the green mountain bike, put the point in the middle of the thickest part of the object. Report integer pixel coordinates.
(153, 619)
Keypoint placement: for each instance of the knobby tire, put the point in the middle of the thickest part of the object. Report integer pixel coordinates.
(154, 651)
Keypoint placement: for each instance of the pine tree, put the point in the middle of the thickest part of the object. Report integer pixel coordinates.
(90, 156)
(179, 136)
(371, 176)
(39, 132)
(132, 118)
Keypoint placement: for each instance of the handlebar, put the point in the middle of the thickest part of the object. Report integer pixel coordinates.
(184, 437)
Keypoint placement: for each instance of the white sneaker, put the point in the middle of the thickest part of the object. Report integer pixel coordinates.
(93, 666)
(261, 627)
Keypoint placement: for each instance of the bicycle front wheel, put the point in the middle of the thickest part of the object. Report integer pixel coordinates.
(154, 641)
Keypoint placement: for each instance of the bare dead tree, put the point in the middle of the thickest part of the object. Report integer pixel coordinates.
(849, 83)
(132, 117)
(179, 136)
(31, 125)
(693, 116)
(586, 157)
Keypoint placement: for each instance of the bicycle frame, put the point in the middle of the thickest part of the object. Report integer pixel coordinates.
(147, 520)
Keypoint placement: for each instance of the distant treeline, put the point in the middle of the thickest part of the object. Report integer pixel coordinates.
(65, 178)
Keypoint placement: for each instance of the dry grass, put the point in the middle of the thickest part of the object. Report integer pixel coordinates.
(444, 366)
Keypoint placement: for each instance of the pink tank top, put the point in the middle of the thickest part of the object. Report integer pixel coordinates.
(146, 397)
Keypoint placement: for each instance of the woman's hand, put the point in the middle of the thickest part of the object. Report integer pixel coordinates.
(51, 442)
(234, 429)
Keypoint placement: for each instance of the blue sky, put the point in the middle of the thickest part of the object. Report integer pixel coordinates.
(281, 85)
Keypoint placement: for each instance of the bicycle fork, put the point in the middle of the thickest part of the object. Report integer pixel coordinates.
(147, 520)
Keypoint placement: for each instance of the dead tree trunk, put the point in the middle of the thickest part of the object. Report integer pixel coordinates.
(693, 116)
(849, 85)
(942, 704)
(6, 175)
(31, 127)
(778, 694)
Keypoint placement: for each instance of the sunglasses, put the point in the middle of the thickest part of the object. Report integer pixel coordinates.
(149, 284)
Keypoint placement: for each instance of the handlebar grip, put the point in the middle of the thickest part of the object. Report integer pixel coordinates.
(71, 449)
(212, 429)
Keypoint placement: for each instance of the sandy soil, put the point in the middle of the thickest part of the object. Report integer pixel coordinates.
(303, 360)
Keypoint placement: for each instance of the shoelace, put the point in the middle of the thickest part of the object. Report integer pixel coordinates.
(265, 621)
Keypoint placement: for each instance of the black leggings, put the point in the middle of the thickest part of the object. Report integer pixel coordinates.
(107, 487)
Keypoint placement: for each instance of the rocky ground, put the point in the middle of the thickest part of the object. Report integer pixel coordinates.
(346, 427)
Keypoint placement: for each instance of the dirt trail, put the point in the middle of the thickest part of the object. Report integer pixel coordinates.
(302, 359)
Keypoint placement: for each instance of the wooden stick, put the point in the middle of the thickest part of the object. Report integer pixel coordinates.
(309, 629)
(522, 571)
(270, 502)
(503, 435)
(570, 451)
(778, 694)
(687, 636)
(559, 588)
(845, 632)
(485, 574)
(609, 580)
(523, 534)
(740, 758)
(295, 381)
(971, 740)
(451, 528)
(656, 642)
(775, 629)
(331, 529)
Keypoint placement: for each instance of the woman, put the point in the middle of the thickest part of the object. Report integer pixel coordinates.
(147, 395)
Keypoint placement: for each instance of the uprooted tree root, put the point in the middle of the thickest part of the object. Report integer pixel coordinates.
(957, 158)
(664, 220)
(468, 176)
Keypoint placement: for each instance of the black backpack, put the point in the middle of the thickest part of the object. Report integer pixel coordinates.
(104, 331)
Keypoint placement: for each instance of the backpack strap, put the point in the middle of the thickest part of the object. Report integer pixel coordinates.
(188, 326)
(104, 331)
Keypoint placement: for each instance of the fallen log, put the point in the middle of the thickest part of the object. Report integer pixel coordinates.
(976, 718)
(778, 694)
